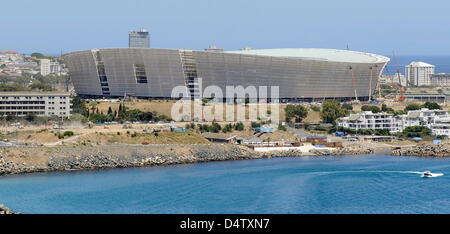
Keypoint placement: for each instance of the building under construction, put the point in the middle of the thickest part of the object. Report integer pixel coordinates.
(301, 74)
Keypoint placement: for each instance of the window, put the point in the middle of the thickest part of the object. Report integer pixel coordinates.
(139, 73)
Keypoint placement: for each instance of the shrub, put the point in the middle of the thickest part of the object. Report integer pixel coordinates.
(374, 109)
(432, 106)
(281, 127)
(412, 107)
(347, 106)
(315, 108)
(416, 131)
(68, 133)
(227, 128)
(239, 126)
(255, 125)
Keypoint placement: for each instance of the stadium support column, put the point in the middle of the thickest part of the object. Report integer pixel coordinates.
(370, 83)
(354, 83)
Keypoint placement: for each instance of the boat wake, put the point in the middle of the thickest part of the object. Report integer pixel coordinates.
(425, 174)
(422, 173)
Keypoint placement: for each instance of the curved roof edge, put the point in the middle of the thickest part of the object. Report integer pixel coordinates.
(334, 55)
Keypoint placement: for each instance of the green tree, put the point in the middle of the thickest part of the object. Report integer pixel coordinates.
(315, 108)
(227, 128)
(110, 111)
(98, 118)
(416, 131)
(239, 126)
(39, 55)
(255, 124)
(385, 108)
(12, 87)
(215, 127)
(347, 106)
(296, 112)
(133, 115)
(374, 109)
(41, 86)
(281, 127)
(30, 117)
(432, 106)
(332, 110)
(79, 107)
(411, 107)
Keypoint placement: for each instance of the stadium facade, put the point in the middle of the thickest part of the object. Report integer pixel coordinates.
(301, 74)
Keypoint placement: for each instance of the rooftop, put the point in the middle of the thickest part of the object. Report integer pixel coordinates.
(26, 93)
(318, 54)
(420, 64)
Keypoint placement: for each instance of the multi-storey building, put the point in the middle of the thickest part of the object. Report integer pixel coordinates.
(35, 103)
(440, 80)
(369, 120)
(436, 120)
(139, 39)
(45, 66)
(388, 80)
(49, 67)
(419, 73)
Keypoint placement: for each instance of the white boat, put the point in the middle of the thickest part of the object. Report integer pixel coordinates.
(428, 174)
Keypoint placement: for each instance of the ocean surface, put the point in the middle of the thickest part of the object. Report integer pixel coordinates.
(350, 184)
(442, 63)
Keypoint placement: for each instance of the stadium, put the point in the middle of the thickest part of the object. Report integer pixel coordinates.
(301, 74)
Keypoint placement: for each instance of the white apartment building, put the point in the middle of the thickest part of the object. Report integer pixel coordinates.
(419, 73)
(49, 67)
(436, 120)
(369, 120)
(36, 103)
(55, 68)
(440, 80)
(45, 66)
(388, 80)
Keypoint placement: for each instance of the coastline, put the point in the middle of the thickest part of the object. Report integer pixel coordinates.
(89, 157)
(93, 157)
(6, 210)
(70, 158)
(424, 150)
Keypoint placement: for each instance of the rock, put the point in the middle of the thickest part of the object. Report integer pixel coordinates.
(66, 158)
(6, 210)
(424, 150)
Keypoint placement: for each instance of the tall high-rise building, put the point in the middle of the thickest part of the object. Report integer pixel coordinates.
(50, 67)
(45, 66)
(419, 73)
(139, 39)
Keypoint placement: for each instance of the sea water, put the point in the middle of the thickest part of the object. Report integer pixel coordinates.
(301, 185)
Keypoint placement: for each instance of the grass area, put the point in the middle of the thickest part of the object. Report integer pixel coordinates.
(160, 106)
(32, 136)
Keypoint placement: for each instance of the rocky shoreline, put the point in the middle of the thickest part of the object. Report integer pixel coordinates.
(67, 158)
(424, 150)
(6, 210)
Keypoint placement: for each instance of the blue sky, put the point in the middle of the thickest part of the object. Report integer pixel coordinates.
(408, 27)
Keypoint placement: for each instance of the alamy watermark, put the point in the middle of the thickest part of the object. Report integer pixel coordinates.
(235, 103)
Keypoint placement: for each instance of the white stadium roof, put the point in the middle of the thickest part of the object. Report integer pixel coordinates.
(318, 54)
